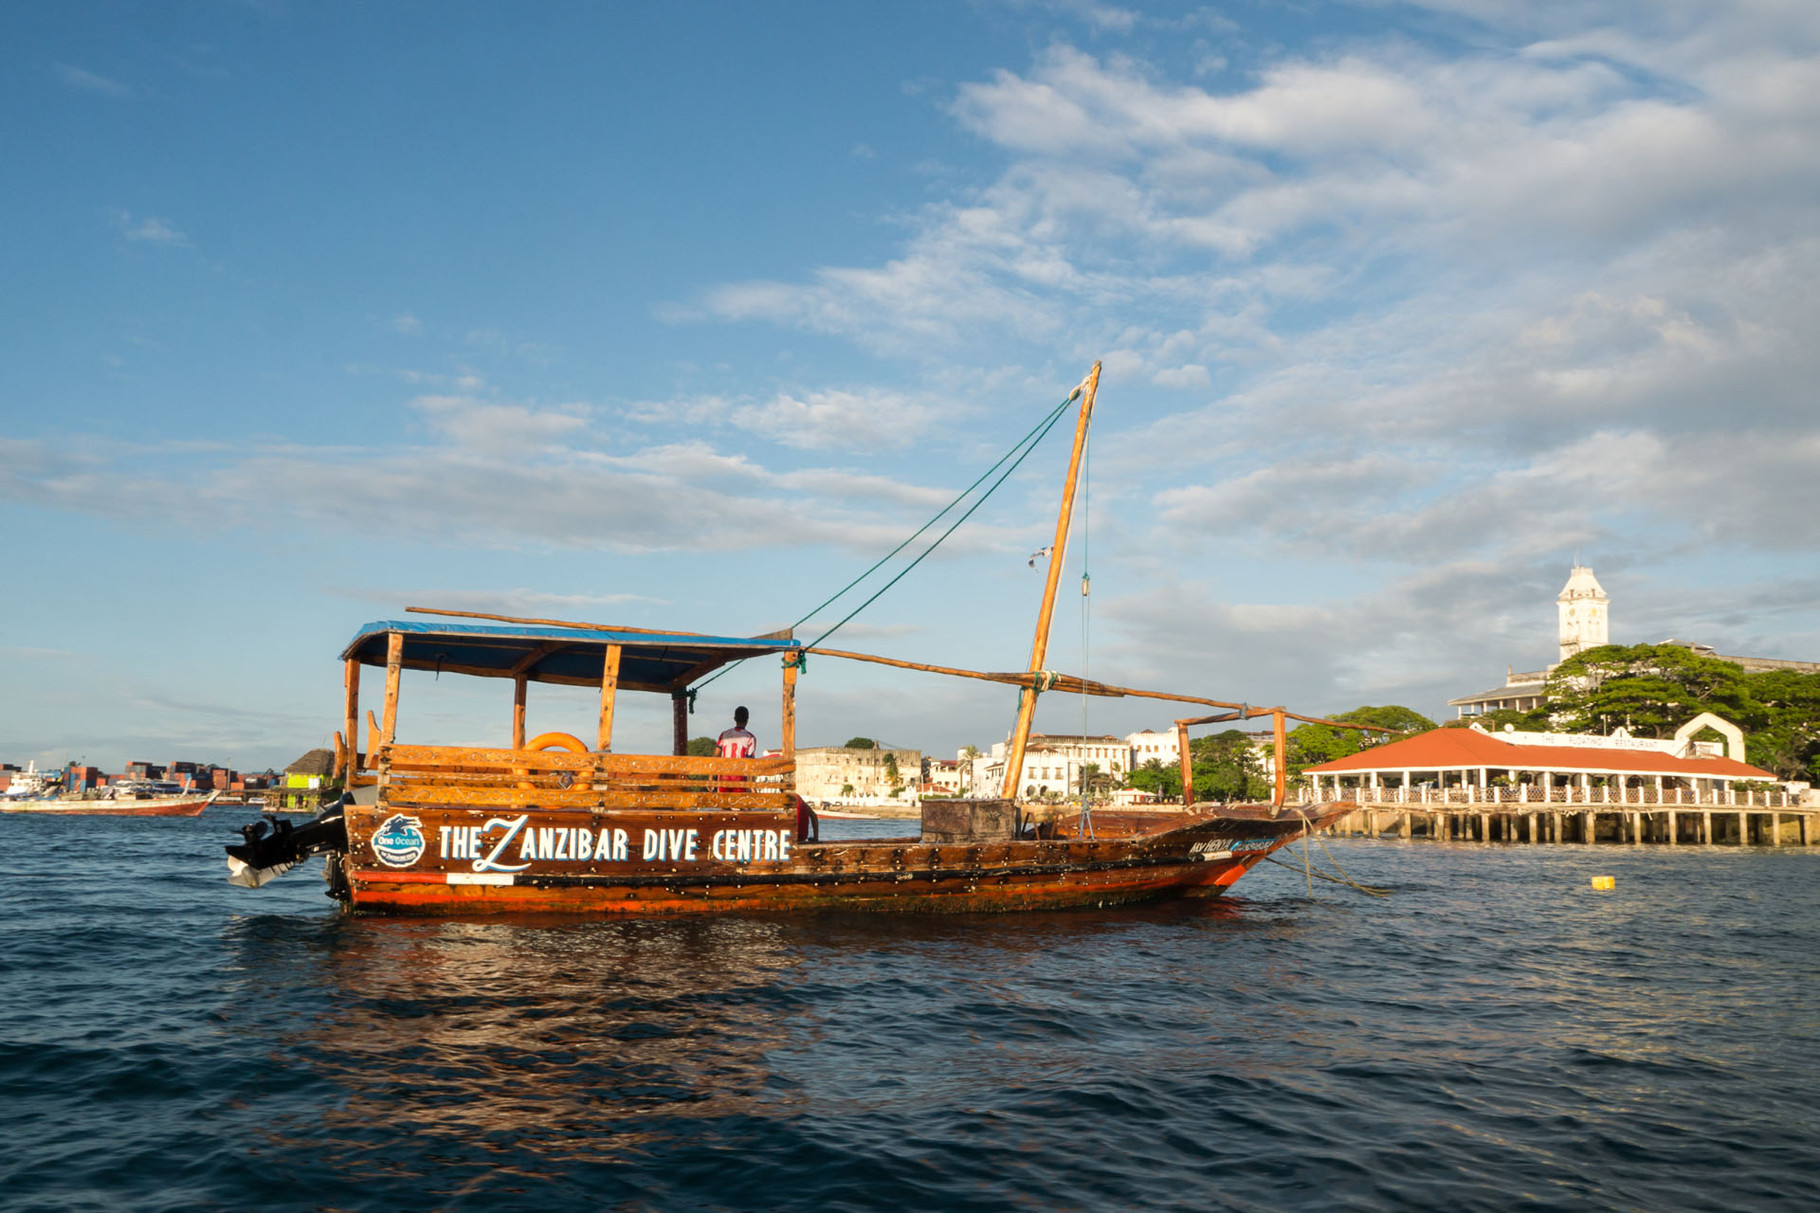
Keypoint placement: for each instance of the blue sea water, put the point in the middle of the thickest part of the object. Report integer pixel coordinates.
(1493, 1035)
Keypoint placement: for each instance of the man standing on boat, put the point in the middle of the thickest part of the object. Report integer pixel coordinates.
(736, 742)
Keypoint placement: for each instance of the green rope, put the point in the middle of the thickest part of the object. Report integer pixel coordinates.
(1025, 445)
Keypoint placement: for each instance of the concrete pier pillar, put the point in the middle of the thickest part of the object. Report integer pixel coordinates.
(1589, 827)
(1403, 826)
(1775, 829)
(1807, 830)
(1636, 827)
(1555, 827)
(1674, 828)
(1706, 827)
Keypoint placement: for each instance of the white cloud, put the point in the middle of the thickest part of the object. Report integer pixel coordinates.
(90, 82)
(407, 324)
(149, 229)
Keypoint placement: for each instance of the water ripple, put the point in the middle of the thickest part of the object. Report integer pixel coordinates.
(1493, 1035)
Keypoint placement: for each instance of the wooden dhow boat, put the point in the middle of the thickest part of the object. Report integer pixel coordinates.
(555, 824)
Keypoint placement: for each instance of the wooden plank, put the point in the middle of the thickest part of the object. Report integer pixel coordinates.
(579, 798)
(394, 667)
(523, 665)
(409, 756)
(544, 777)
(609, 689)
(567, 680)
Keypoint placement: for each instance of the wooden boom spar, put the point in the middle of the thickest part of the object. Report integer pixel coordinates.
(1069, 684)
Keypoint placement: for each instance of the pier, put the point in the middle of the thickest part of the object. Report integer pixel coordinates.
(1677, 817)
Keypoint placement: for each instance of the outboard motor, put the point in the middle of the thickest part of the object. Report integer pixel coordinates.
(271, 851)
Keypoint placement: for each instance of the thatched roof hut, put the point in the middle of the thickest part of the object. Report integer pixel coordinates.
(315, 762)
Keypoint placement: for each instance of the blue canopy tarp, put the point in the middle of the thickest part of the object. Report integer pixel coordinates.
(649, 661)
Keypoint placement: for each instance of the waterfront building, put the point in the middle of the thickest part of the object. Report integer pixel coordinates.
(942, 777)
(1471, 757)
(1147, 744)
(838, 775)
(1053, 764)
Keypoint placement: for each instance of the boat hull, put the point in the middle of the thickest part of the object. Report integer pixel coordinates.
(455, 861)
(163, 806)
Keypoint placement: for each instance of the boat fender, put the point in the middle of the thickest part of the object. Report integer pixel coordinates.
(808, 825)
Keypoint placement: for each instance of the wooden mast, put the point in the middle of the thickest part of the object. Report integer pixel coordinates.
(1039, 651)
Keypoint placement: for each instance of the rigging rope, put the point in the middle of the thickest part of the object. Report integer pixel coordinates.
(1003, 476)
(1026, 444)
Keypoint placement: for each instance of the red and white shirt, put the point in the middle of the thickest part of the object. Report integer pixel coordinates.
(736, 743)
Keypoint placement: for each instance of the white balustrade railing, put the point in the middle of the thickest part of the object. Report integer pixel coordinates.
(1522, 795)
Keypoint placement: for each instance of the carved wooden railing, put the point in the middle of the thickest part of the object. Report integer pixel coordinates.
(452, 776)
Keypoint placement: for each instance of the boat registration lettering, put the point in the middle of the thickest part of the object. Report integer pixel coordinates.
(1226, 848)
(751, 846)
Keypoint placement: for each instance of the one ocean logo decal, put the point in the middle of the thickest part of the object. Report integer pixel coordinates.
(399, 841)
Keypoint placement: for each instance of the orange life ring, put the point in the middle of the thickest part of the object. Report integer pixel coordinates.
(553, 741)
(557, 741)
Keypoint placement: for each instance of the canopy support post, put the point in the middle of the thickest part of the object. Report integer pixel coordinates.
(787, 720)
(679, 723)
(519, 682)
(350, 681)
(394, 669)
(609, 690)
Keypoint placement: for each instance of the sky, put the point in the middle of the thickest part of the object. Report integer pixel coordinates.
(682, 315)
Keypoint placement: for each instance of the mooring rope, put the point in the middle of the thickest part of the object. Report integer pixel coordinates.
(1311, 875)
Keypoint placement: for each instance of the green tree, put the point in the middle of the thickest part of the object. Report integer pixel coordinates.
(702, 747)
(1785, 736)
(1312, 744)
(860, 743)
(1227, 768)
(1153, 776)
(1094, 781)
(893, 775)
(1650, 689)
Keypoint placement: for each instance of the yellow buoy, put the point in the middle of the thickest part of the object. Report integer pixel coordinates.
(1604, 882)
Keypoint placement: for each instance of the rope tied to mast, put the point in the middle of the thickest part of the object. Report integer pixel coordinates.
(1042, 680)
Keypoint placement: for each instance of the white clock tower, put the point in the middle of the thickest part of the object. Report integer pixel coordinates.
(1585, 613)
